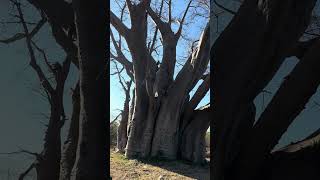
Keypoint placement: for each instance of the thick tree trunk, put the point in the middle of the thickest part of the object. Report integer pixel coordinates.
(92, 30)
(193, 137)
(48, 162)
(281, 112)
(156, 132)
(69, 149)
(167, 128)
(154, 129)
(141, 129)
(241, 72)
(165, 140)
(48, 167)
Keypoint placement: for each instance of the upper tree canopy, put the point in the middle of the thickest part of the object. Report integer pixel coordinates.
(187, 21)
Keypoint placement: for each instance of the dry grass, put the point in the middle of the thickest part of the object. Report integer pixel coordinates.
(122, 168)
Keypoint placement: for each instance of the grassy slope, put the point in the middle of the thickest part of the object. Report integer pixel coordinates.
(122, 168)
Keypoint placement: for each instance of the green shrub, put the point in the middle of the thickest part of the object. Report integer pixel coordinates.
(113, 134)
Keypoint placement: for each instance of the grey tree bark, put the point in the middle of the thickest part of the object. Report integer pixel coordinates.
(122, 136)
(160, 100)
(193, 137)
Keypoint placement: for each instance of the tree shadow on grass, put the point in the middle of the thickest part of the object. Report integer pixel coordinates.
(182, 167)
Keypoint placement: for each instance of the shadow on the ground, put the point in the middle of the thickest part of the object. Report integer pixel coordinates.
(182, 167)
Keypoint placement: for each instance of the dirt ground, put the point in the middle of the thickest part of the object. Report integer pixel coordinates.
(122, 169)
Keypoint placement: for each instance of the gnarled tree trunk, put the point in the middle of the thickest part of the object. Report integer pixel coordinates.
(162, 127)
(160, 99)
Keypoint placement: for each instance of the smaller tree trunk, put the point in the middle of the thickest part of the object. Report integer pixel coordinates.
(131, 112)
(48, 163)
(122, 136)
(69, 150)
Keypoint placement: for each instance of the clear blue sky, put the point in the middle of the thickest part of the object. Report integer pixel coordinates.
(193, 31)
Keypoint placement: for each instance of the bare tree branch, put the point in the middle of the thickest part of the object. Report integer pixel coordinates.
(196, 64)
(33, 63)
(121, 79)
(151, 48)
(164, 27)
(200, 93)
(121, 28)
(170, 13)
(224, 8)
(178, 33)
(44, 56)
(20, 36)
(21, 151)
(301, 47)
(121, 58)
(116, 117)
(23, 174)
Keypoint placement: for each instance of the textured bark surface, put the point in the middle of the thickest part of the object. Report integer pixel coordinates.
(140, 130)
(160, 100)
(166, 136)
(166, 131)
(193, 137)
(92, 31)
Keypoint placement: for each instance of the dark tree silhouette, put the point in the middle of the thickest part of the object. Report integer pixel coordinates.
(47, 163)
(91, 19)
(91, 89)
(246, 56)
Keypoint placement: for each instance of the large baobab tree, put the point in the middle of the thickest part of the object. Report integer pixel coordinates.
(246, 56)
(164, 115)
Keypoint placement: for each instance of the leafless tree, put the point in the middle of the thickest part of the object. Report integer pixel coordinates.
(47, 163)
(164, 116)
